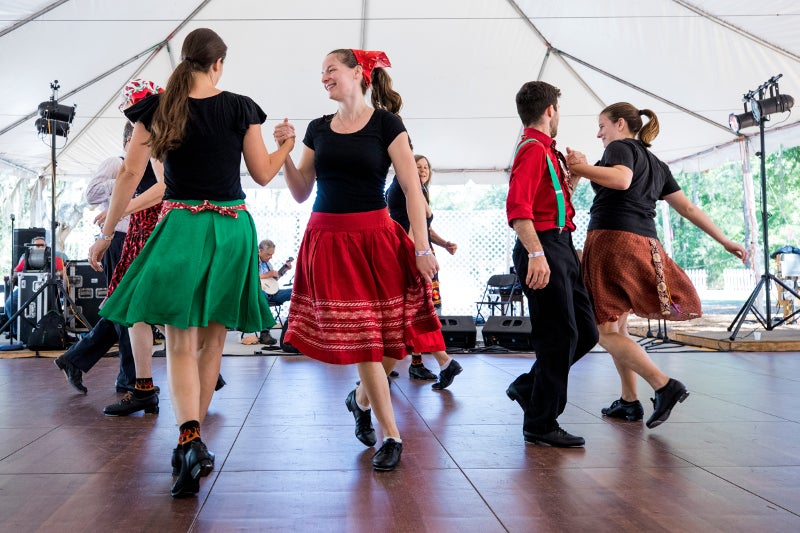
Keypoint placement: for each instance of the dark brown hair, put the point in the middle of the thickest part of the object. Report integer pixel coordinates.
(201, 49)
(533, 99)
(633, 118)
(382, 96)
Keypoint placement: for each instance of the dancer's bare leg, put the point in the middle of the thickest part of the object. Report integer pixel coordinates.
(629, 357)
(374, 392)
(211, 341)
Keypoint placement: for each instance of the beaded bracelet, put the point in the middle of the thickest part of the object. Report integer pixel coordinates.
(420, 253)
(536, 254)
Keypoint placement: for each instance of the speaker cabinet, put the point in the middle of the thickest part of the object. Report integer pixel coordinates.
(20, 238)
(512, 332)
(87, 288)
(28, 283)
(458, 331)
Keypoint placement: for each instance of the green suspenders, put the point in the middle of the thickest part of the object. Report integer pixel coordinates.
(562, 211)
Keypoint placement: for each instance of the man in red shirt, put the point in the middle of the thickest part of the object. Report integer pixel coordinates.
(539, 208)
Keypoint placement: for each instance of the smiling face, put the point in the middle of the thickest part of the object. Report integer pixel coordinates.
(424, 171)
(339, 79)
(611, 131)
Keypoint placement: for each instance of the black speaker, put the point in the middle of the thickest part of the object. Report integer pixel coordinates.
(87, 288)
(458, 331)
(512, 332)
(28, 283)
(20, 238)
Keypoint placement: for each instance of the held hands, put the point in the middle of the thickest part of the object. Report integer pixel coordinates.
(575, 157)
(538, 273)
(284, 132)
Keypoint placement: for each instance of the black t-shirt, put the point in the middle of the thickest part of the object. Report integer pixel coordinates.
(147, 181)
(634, 209)
(206, 164)
(396, 200)
(351, 167)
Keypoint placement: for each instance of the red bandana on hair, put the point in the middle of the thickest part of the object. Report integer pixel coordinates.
(369, 60)
(136, 90)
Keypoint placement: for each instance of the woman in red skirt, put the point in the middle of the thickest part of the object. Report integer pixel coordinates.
(624, 266)
(362, 287)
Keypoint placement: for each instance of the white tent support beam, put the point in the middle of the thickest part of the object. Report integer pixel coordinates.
(363, 37)
(744, 33)
(155, 51)
(644, 91)
(32, 17)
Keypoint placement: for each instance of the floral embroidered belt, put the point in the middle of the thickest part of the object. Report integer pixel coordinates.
(226, 210)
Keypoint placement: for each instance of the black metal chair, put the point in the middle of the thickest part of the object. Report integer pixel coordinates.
(498, 293)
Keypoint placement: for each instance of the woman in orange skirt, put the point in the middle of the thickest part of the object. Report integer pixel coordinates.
(624, 266)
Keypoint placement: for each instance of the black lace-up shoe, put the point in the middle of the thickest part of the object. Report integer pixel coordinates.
(188, 481)
(447, 375)
(420, 372)
(631, 411)
(364, 430)
(206, 461)
(220, 383)
(72, 373)
(558, 438)
(666, 398)
(520, 391)
(130, 404)
(388, 455)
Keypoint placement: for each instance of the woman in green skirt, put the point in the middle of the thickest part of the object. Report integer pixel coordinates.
(198, 271)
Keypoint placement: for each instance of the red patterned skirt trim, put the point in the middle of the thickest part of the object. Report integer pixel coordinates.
(139, 230)
(357, 293)
(626, 272)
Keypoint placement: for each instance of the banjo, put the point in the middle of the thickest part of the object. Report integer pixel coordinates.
(270, 285)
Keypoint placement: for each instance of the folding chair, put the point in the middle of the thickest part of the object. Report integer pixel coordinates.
(498, 293)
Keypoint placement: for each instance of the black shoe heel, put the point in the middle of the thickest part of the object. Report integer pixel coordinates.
(188, 482)
(151, 410)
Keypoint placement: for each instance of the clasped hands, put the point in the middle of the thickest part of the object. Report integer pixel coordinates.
(574, 157)
(283, 132)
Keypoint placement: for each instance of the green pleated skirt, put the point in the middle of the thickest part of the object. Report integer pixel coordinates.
(194, 269)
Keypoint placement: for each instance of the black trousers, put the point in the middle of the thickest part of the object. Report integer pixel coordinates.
(85, 353)
(563, 325)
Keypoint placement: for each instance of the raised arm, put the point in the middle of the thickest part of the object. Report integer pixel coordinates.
(299, 178)
(262, 165)
(680, 203)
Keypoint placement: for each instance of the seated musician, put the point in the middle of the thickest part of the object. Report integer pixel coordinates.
(271, 286)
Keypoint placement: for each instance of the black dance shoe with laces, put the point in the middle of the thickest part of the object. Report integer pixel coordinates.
(188, 481)
(558, 438)
(387, 457)
(206, 462)
(364, 430)
(666, 398)
(447, 375)
(72, 373)
(630, 411)
(130, 404)
(421, 373)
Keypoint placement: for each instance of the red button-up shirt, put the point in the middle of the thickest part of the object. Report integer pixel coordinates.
(530, 191)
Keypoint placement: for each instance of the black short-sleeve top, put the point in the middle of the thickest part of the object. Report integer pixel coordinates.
(352, 167)
(634, 209)
(206, 164)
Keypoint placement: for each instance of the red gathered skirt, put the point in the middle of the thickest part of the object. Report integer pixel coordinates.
(357, 293)
(627, 272)
(139, 230)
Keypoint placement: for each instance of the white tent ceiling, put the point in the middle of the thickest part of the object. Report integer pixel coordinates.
(457, 64)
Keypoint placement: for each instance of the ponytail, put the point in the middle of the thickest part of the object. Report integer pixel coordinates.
(383, 96)
(632, 117)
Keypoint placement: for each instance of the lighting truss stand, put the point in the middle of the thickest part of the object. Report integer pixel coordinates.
(766, 320)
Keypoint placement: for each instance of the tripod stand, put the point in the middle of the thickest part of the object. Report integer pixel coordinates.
(765, 319)
(51, 123)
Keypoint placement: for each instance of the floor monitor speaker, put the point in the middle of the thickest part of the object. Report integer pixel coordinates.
(512, 332)
(458, 331)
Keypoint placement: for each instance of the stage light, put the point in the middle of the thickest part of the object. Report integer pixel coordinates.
(739, 122)
(776, 103)
(55, 118)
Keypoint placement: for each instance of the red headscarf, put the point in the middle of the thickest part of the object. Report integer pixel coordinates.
(369, 60)
(136, 90)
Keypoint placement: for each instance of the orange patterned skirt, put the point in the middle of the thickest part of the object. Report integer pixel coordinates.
(626, 272)
(357, 293)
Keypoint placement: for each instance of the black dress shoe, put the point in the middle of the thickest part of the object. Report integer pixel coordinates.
(420, 372)
(220, 383)
(447, 375)
(130, 404)
(388, 455)
(394, 374)
(520, 391)
(206, 462)
(631, 411)
(364, 430)
(558, 438)
(72, 373)
(666, 398)
(266, 338)
(188, 481)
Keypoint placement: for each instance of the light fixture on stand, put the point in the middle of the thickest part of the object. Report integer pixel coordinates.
(763, 101)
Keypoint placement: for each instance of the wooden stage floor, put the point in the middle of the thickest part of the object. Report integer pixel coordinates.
(727, 460)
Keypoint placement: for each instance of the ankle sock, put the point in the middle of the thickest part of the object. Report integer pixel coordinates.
(444, 366)
(189, 431)
(143, 388)
(396, 439)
